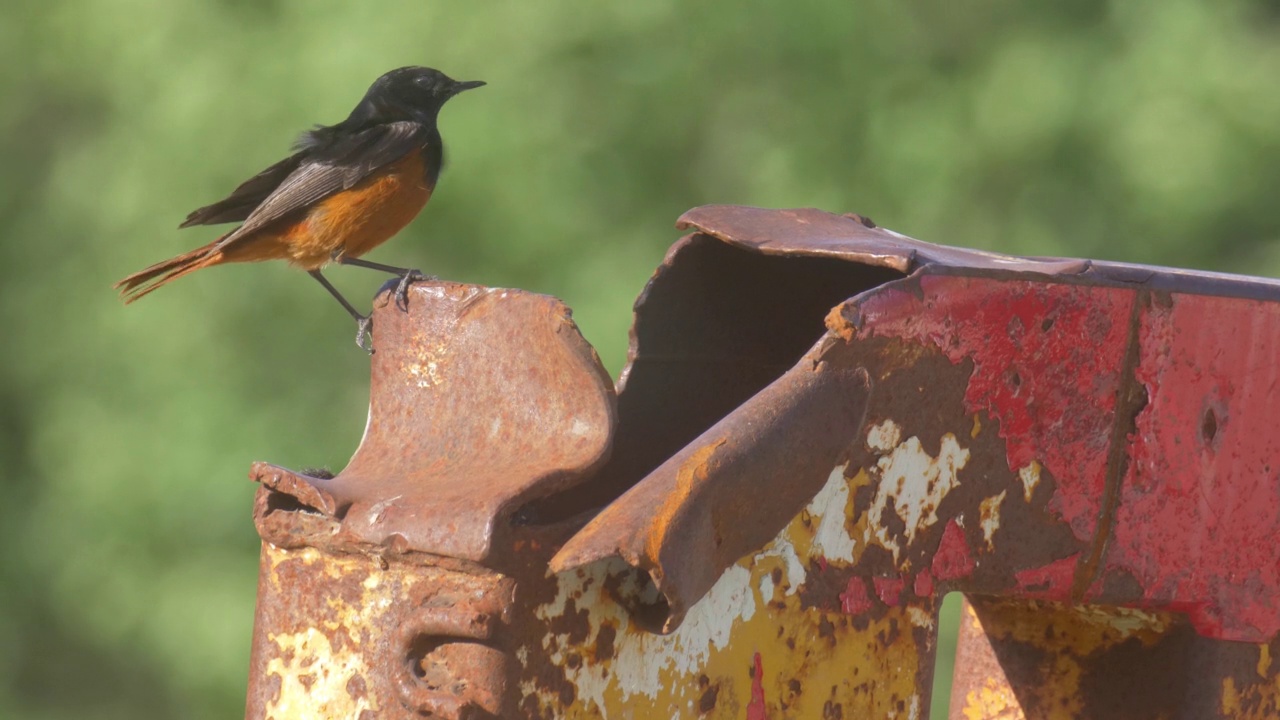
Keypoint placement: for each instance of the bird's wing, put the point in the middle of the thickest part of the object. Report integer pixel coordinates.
(240, 203)
(323, 171)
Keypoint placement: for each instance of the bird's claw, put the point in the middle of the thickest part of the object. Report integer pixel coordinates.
(364, 340)
(402, 290)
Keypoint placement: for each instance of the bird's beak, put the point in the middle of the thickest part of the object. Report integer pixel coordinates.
(467, 85)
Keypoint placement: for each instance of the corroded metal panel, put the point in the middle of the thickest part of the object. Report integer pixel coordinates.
(342, 636)
(1038, 659)
(389, 591)
(823, 427)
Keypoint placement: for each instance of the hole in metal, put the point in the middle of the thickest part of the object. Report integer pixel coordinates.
(1209, 426)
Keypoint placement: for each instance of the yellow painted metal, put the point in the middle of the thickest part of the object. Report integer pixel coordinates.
(755, 646)
(1074, 661)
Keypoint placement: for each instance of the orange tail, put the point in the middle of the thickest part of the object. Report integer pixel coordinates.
(163, 273)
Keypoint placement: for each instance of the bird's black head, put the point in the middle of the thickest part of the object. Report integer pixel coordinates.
(409, 93)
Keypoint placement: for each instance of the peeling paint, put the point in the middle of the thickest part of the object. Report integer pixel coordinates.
(639, 666)
(701, 663)
(831, 504)
(855, 600)
(1030, 476)
(917, 484)
(782, 548)
(314, 678)
(884, 436)
(989, 513)
(920, 618)
(953, 559)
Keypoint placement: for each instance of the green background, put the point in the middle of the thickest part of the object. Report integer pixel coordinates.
(1144, 131)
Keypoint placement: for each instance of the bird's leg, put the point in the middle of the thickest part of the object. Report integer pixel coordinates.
(408, 276)
(363, 322)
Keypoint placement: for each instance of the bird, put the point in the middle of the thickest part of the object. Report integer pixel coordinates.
(345, 190)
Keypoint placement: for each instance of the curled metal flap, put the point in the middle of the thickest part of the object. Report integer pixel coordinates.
(481, 400)
(689, 519)
(807, 231)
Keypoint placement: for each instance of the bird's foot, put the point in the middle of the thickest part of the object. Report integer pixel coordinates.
(364, 340)
(402, 290)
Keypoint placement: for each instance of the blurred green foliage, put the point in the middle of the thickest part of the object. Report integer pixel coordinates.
(1138, 130)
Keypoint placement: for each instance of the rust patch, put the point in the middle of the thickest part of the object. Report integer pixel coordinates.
(1131, 397)
(707, 701)
(604, 642)
(448, 424)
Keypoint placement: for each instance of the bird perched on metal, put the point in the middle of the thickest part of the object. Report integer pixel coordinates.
(348, 188)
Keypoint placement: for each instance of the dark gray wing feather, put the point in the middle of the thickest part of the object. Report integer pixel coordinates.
(330, 169)
(240, 203)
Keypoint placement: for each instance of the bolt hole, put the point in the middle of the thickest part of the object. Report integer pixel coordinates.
(1015, 381)
(425, 662)
(1209, 426)
(1047, 325)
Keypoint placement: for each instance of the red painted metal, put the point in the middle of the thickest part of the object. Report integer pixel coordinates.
(855, 600)
(1045, 359)
(1197, 518)
(952, 559)
(889, 590)
(756, 710)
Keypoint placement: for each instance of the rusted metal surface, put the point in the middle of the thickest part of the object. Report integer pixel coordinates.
(823, 427)
(852, 238)
(482, 400)
(341, 635)
(694, 505)
(714, 326)
(374, 600)
(808, 232)
(1037, 659)
(1013, 400)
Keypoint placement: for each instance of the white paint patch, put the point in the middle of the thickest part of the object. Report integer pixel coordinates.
(641, 659)
(313, 683)
(639, 663)
(1030, 476)
(832, 539)
(919, 617)
(884, 437)
(917, 483)
(766, 588)
(990, 513)
(565, 584)
(795, 574)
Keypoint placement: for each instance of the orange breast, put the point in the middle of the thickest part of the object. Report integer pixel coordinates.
(357, 220)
